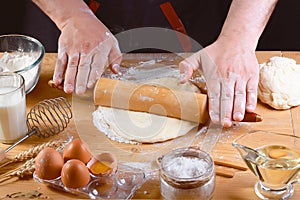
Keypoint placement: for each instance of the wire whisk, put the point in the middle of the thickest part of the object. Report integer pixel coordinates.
(47, 118)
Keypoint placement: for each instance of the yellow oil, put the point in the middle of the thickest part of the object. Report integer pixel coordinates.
(279, 166)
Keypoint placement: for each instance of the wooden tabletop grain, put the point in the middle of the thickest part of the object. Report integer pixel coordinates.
(238, 187)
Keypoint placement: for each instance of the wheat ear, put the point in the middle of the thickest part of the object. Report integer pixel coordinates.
(32, 152)
(23, 171)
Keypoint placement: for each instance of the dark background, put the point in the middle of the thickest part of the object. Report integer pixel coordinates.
(281, 33)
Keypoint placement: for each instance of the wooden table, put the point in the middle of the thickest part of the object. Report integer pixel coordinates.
(238, 187)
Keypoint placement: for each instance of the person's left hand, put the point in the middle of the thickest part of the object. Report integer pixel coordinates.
(85, 46)
(231, 72)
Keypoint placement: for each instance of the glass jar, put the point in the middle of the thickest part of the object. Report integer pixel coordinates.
(187, 173)
(12, 107)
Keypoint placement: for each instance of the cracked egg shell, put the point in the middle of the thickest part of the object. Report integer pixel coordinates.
(103, 164)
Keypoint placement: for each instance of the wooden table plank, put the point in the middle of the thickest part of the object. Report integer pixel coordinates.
(239, 187)
(263, 56)
(296, 120)
(292, 54)
(295, 112)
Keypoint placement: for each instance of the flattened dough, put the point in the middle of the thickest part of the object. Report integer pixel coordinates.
(130, 126)
(279, 83)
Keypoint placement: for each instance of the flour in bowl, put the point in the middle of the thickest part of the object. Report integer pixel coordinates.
(16, 61)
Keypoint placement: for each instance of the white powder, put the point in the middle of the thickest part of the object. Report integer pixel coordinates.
(143, 72)
(200, 79)
(134, 74)
(156, 91)
(139, 74)
(186, 167)
(16, 61)
(104, 127)
(11, 62)
(149, 62)
(146, 98)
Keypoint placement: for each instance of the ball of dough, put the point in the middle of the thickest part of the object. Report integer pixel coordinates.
(278, 85)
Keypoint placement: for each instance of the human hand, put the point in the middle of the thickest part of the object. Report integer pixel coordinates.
(84, 47)
(231, 72)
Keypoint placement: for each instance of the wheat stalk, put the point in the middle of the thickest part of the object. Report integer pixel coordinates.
(23, 171)
(32, 152)
(27, 169)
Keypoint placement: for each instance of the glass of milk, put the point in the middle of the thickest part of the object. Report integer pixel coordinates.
(12, 107)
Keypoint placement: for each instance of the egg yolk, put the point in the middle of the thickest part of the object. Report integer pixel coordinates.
(100, 167)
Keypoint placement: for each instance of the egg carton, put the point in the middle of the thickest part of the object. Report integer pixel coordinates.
(122, 185)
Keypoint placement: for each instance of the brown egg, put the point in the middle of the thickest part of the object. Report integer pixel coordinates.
(75, 174)
(48, 164)
(77, 149)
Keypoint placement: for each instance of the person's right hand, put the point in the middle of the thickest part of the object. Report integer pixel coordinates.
(231, 71)
(85, 45)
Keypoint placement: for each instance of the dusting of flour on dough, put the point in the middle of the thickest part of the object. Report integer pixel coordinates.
(135, 127)
(104, 127)
(145, 98)
(139, 127)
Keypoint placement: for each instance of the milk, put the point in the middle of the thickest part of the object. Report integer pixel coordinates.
(12, 115)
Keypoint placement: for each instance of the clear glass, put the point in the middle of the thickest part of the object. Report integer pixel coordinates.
(121, 185)
(274, 158)
(23, 55)
(187, 173)
(12, 107)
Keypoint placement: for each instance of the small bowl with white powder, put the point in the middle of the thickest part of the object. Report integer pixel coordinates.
(187, 173)
(23, 55)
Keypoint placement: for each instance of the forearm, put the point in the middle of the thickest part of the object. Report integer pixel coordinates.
(246, 20)
(60, 11)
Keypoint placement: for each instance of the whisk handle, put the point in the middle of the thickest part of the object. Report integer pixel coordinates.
(30, 133)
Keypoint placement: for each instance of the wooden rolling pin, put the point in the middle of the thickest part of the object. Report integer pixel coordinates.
(152, 106)
(158, 100)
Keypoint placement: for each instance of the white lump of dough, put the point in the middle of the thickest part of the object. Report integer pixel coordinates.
(279, 83)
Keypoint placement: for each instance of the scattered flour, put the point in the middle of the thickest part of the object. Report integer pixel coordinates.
(145, 98)
(99, 122)
(137, 74)
(141, 129)
(130, 127)
(149, 62)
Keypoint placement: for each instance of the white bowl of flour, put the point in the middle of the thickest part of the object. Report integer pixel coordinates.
(23, 55)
